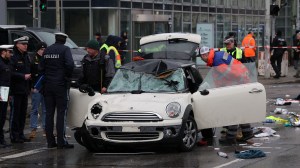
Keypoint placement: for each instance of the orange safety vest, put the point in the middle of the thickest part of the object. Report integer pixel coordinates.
(247, 42)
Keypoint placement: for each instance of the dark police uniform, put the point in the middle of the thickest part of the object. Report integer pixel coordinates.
(57, 65)
(20, 89)
(5, 74)
(276, 58)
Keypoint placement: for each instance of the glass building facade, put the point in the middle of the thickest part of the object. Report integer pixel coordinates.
(80, 19)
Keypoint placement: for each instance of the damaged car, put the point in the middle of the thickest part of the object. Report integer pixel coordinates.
(163, 99)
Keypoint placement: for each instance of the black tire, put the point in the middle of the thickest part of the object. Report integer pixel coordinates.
(188, 135)
(78, 136)
(90, 143)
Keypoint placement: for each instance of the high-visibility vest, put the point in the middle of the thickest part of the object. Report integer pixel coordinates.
(117, 56)
(104, 46)
(239, 52)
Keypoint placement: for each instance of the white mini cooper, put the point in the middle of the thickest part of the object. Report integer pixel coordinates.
(164, 98)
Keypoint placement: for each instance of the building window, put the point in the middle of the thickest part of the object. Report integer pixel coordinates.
(242, 4)
(187, 28)
(177, 22)
(186, 17)
(220, 2)
(204, 2)
(77, 25)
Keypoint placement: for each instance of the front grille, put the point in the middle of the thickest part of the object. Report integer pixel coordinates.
(132, 136)
(130, 116)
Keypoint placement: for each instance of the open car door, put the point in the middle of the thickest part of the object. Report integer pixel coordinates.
(78, 107)
(218, 105)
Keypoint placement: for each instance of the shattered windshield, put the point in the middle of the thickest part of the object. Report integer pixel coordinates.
(130, 81)
(229, 75)
(170, 49)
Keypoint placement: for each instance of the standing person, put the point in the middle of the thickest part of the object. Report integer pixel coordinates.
(57, 66)
(93, 64)
(5, 78)
(276, 58)
(297, 54)
(221, 60)
(37, 99)
(296, 42)
(112, 57)
(123, 45)
(250, 47)
(98, 38)
(230, 48)
(20, 88)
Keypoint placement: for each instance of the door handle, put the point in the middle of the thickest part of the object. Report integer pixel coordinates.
(204, 92)
(254, 90)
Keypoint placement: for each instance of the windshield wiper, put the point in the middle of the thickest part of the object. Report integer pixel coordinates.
(176, 40)
(171, 83)
(119, 91)
(137, 91)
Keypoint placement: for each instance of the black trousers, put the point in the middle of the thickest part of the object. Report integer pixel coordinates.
(3, 111)
(18, 116)
(276, 63)
(56, 98)
(207, 133)
(232, 131)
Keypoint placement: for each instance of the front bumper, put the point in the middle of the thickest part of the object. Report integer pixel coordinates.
(134, 132)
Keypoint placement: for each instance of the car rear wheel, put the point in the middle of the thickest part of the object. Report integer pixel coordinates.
(188, 136)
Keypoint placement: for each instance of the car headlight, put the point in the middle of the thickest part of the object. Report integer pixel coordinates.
(96, 110)
(173, 109)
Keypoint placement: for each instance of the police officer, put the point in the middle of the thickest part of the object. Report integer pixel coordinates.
(276, 58)
(57, 66)
(5, 74)
(20, 89)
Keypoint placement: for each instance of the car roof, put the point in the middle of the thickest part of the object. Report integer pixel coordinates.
(41, 29)
(195, 38)
(12, 26)
(151, 65)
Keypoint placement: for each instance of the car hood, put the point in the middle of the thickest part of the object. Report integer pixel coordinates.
(78, 54)
(146, 102)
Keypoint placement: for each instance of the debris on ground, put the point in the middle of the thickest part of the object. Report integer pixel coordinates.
(265, 132)
(278, 120)
(250, 154)
(282, 102)
(222, 154)
(294, 119)
(280, 111)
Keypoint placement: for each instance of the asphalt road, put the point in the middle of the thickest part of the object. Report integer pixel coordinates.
(280, 151)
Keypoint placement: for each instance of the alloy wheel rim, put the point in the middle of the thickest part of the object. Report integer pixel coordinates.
(190, 134)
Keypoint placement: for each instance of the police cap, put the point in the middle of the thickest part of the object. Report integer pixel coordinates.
(22, 40)
(6, 47)
(61, 34)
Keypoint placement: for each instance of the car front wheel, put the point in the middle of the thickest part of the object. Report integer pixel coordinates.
(188, 136)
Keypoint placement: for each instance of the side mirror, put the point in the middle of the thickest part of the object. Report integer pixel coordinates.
(204, 92)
